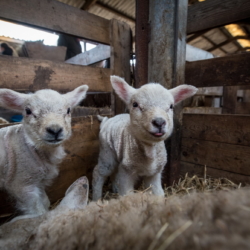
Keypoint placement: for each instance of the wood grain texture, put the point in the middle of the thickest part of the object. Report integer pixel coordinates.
(56, 16)
(223, 71)
(34, 74)
(82, 151)
(228, 157)
(242, 108)
(121, 46)
(232, 129)
(202, 110)
(166, 64)
(229, 99)
(214, 13)
(194, 169)
(97, 54)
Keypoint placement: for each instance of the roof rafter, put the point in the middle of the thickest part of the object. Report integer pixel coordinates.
(227, 41)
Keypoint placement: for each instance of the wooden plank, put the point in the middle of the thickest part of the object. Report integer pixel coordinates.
(229, 99)
(194, 169)
(82, 154)
(38, 50)
(99, 53)
(212, 91)
(221, 71)
(142, 32)
(229, 157)
(56, 16)
(167, 54)
(242, 108)
(214, 13)
(121, 46)
(232, 129)
(83, 111)
(202, 110)
(34, 74)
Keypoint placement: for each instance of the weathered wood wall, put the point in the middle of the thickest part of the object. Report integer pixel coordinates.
(56, 16)
(219, 142)
(33, 74)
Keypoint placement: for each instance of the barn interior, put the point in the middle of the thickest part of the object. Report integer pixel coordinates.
(211, 136)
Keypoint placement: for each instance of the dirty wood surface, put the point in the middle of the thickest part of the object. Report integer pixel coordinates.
(223, 71)
(229, 99)
(81, 156)
(33, 74)
(214, 13)
(121, 46)
(224, 156)
(242, 108)
(166, 65)
(56, 16)
(97, 54)
(38, 50)
(195, 169)
(231, 129)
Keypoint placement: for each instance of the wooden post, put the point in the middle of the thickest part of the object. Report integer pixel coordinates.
(168, 20)
(141, 43)
(121, 45)
(229, 99)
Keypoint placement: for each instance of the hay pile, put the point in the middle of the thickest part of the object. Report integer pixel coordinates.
(185, 185)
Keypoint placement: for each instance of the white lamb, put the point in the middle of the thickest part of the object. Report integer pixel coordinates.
(132, 145)
(31, 151)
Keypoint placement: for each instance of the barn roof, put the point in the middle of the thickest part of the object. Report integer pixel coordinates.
(219, 41)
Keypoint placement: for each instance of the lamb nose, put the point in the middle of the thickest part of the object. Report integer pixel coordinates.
(159, 122)
(54, 131)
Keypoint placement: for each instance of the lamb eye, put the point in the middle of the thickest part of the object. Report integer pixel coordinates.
(28, 111)
(68, 111)
(171, 106)
(135, 105)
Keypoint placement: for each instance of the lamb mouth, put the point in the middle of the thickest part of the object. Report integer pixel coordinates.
(54, 141)
(157, 134)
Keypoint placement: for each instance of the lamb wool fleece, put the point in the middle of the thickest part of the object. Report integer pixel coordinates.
(218, 220)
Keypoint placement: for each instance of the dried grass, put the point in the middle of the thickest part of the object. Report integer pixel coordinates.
(184, 186)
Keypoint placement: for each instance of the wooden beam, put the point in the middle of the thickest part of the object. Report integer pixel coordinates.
(33, 74)
(227, 41)
(195, 169)
(221, 71)
(114, 11)
(213, 43)
(166, 63)
(229, 99)
(97, 54)
(202, 110)
(56, 16)
(121, 47)
(230, 129)
(214, 13)
(228, 157)
(196, 35)
(88, 5)
(142, 30)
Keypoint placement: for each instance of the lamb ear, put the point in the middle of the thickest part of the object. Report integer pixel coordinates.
(12, 100)
(77, 95)
(182, 92)
(122, 89)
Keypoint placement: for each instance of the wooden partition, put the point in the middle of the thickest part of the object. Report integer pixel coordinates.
(219, 142)
(24, 74)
